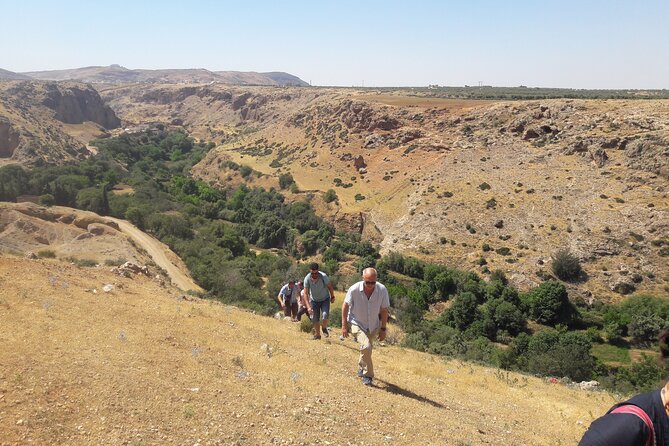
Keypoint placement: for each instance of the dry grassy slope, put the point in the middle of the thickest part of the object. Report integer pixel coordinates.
(70, 233)
(141, 366)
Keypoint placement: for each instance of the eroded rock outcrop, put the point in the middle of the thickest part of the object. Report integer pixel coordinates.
(75, 104)
(9, 138)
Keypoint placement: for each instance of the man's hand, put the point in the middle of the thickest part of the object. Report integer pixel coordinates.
(344, 331)
(332, 298)
(382, 335)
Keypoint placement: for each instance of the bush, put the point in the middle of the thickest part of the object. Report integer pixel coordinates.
(642, 376)
(550, 353)
(566, 266)
(549, 304)
(245, 171)
(47, 254)
(285, 180)
(83, 262)
(416, 341)
(335, 316)
(115, 262)
(306, 325)
(47, 200)
(644, 328)
(330, 196)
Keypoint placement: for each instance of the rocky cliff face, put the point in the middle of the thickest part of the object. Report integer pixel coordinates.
(50, 123)
(9, 138)
(75, 104)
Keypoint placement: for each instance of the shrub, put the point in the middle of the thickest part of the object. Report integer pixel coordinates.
(47, 200)
(645, 327)
(83, 262)
(641, 376)
(566, 266)
(335, 316)
(416, 341)
(245, 170)
(330, 196)
(484, 186)
(285, 180)
(560, 354)
(503, 251)
(306, 325)
(47, 254)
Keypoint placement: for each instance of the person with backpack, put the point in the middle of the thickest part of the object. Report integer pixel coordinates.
(320, 293)
(643, 420)
(365, 308)
(288, 297)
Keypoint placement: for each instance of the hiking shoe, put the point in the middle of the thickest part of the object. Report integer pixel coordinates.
(326, 332)
(315, 338)
(360, 373)
(366, 380)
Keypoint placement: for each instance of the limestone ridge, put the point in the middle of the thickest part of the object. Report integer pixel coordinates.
(116, 74)
(50, 123)
(10, 75)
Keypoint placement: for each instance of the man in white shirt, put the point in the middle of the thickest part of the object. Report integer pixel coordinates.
(366, 309)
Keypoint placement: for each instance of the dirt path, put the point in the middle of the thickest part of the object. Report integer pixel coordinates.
(160, 254)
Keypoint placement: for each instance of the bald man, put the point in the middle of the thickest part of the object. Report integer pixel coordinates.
(366, 310)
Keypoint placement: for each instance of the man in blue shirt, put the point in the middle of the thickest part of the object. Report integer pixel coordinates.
(319, 292)
(366, 309)
(288, 298)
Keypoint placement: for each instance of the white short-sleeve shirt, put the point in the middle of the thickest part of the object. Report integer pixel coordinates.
(365, 312)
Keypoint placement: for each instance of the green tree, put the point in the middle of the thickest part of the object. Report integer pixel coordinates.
(549, 304)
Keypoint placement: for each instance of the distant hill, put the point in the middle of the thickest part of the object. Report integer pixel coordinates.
(10, 75)
(119, 74)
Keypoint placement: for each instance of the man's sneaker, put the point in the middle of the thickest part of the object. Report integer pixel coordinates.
(367, 381)
(326, 332)
(360, 373)
(315, 338)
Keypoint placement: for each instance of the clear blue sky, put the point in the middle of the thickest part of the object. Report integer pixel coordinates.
(565, 43)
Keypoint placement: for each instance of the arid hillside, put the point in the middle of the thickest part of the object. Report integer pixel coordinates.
(81, 237)
(478, 184)
(50, 123)
(141, 364)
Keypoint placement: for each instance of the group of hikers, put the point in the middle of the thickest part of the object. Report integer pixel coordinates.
(641, 420)
(364, 310)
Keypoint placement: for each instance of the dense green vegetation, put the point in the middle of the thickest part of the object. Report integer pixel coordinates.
(540, 332)
(212, 229)
(526, 93)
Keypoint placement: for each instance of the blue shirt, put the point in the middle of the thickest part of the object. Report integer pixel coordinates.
(318, 290)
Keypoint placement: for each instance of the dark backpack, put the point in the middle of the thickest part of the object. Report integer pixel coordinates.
(639, 412)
